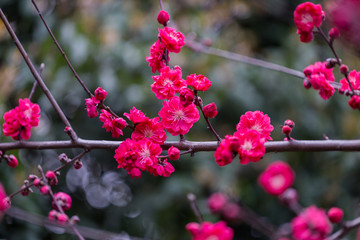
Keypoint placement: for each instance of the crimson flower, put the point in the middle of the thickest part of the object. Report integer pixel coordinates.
(151, 129)
(172, 39)
(156, 59)
(257, 121)
(168, 83)
(198, 82)
(208, 230)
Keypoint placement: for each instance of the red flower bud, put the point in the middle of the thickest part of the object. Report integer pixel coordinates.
(344, 69)
(51, 178)
(186, 96)
(289, 123)
(335, 214)
(12, 161)
(163, 17)
(100, 94)
(334, 33)
(45, 190)
(78, 164)
(286, 130)
(174, 153)
(210, 110)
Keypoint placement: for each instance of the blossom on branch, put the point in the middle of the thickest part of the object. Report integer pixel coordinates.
(198, 82)
(91, 106)
(251, 148)
(156, 59)
(112, 124)
(208, 230)
(276, 178)
(63, 200)
(150, 129)
(21, 119)
(307, 16)
(176, 118)
(354, 78)
(311, 224)
(172, 39)
(168, 83)
(256, 121)
(320, 78)
(136, 116)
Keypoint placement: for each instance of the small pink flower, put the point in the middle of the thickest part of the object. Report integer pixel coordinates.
(100, 94)
(335, 214)
(63, 199)
(252, 147)
(354, 102)
(21, 119)
(62, 218)
(136, 116)
(91, 106)
(198, 82)
(163, 168)
(156, 59)
(225, 152)
(176, 118)
(126, 156)
(276, 178)
(307, 16)
(168, 83)
(311, 224)
(174, 153)
(112, 124)
(216, 202)
(208, 230)
(51, 178)
(147, 152)
(187, 96)
(257, 121)
(354, 78)
(172, 39)
(4, 200)
(151, 129)
(210, 110)
(53, 214)
(45, 190)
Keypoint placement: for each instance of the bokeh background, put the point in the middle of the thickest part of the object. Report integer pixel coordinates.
(107, 42)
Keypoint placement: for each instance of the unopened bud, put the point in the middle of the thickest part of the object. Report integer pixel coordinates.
(78, 164)
(163, 17)
(344, 69)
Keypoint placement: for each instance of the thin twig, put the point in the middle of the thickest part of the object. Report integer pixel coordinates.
(241, 58)
(42, 66)
(192, 199)
(37, 76)
(61, 50)
(347, 227)
(59, 208)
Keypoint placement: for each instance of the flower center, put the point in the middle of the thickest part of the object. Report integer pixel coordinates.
(247, 145)
(28, 113)
(212, 237)
(178, 115)
(306, 18)
(277, 181)
(148, 133)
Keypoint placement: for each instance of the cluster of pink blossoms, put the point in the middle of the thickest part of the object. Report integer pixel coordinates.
(320, 77)
(311, 224)
(20, 120)
(276, 178)
(208, 230)
(307, 16)
(354, 78)
(248, 141)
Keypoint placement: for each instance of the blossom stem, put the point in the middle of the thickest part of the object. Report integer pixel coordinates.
(37, 76)
(199, 103)
(347, 226)
(338, 61)
(161, 5)
(192, 199)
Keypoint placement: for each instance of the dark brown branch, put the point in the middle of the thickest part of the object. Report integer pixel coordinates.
(37, 76)
(89, 233)
(195, 146)
(192, 200)
(347, 227)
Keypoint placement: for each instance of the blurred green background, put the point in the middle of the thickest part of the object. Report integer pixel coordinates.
(107, 42)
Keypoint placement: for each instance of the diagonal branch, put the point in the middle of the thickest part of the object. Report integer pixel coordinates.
(37, 77)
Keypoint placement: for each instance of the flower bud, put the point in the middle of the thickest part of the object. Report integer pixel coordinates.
(163, 17)
(307, 83)
(334, 33)
(45, 190)
(12, 161)
(100, 94)
(216, 202)
(25, 191)
(286, 130)
(53, 215)
(63, 158)
(344, 69)
(335, 214)
(289, 123)
(174, 153)
(210, 110)
(289, 197)
(62, 218)
(37, 182)
(119, 123)
(51, 178)
(78, 164)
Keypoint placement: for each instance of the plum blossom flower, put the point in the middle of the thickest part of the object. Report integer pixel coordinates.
(216, 202)
(354, 102)
(112, 124)
(63, 199)
(174, 153)
(251, 146)
(176, 118)
(172, 39)
(354, 78)
(208, 230)
(225, 152)
(198, 82)
(21, 119)
(100, 94)
(168, 83)
(91, 106)
(311, 224)
(163, 168)
(307, 16)
(136, 116)
(276, 178)
(151, 129)
(210, 110)
(320, 77)
(156, 59)
(257, 121)
(4, 200)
